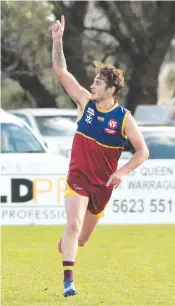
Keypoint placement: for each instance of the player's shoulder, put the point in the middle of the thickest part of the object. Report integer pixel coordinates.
(89, 101)
(122, 109)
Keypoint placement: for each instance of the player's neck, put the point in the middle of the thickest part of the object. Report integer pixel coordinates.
(106, 104)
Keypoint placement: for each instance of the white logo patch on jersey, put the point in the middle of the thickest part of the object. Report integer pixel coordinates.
(89, 115)
(112, 123)
(90, 111)
(100, 118)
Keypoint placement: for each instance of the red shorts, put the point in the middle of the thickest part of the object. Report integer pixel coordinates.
(98, 195)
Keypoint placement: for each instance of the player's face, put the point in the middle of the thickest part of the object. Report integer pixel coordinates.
(99, 89)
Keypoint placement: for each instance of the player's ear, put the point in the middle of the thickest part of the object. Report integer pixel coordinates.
(112, 90)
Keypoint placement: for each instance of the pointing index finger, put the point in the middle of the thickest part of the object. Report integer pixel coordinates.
(63, 21)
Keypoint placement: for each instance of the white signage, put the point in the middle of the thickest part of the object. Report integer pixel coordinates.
(146, 196)
(32, 199)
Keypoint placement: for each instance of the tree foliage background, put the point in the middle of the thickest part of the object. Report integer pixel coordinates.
(134, 36)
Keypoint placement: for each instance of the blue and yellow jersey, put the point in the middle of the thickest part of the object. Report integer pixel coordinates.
(98, 142)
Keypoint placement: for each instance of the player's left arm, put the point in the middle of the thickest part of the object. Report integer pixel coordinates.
(136, 138)
(141, 151)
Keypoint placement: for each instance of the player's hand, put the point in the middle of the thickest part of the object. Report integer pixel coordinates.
(58, 28)
(115, 179)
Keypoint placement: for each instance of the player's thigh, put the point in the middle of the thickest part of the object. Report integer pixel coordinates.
(89, 224)
(76, 206)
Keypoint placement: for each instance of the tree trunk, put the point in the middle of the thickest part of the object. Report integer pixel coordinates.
(144, 76)
(18, 70)
(42, 96)
(139, 94)
(144, 44)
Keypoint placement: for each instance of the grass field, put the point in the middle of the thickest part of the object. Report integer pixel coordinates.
(120, 265)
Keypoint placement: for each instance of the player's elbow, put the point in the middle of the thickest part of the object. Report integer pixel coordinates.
(59, 71)
(142, 154)
(145, 153)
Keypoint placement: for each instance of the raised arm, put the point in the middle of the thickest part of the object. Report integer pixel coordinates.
(70, 84)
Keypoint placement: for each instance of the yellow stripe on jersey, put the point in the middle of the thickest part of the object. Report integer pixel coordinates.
(81, 115)
(68, 268)
(101, 144)
(123, 125)
(107, 111)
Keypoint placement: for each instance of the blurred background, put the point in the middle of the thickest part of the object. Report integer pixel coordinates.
(38, 116)
(127, 34)
(38, 122)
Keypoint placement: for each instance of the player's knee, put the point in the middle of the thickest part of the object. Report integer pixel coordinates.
(74, 227)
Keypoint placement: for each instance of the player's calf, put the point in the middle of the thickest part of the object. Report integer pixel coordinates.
(81, 243)
(60, 245)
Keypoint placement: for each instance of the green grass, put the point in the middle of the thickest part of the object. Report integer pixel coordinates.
(120, 265)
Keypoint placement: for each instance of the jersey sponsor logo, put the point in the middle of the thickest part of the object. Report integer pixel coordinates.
(89, 118)
(89, 115)
(90, 111)
(100, 118)
(109, 131)
(112, 123)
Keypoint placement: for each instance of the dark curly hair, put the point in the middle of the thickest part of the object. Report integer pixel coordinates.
(111, 75)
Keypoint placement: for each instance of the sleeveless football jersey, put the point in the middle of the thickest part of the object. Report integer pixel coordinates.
(98, 142)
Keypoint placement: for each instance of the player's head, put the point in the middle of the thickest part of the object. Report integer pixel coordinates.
(107, 82)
